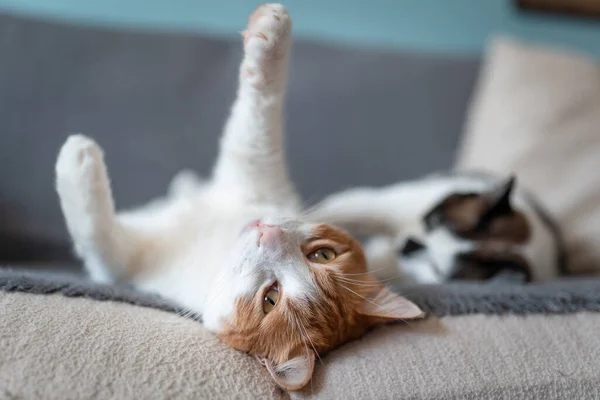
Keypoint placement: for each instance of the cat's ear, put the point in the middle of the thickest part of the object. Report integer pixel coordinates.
(498, 198)
(384, 305)
(293, 374)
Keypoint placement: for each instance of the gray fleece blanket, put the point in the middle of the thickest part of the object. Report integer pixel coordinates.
(563, 296)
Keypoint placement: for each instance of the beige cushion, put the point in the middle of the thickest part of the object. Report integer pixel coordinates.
(54, 347)
(536, 113)
(470, 357)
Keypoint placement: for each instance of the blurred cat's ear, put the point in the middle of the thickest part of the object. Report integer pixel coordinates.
(498, 198)
(411, 246)
(293, 374)
(384, 306)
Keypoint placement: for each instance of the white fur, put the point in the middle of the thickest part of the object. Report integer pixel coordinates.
(395, 212)
(191, 246)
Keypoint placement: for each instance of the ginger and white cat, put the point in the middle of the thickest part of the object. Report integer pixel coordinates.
(465, 226)
(235, 248)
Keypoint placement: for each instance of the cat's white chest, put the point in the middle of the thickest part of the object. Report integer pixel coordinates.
(191, 271)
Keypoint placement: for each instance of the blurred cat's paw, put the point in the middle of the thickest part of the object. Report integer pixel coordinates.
(79, 159)
(266, 42)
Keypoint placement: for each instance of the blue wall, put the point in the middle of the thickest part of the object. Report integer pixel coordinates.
(429, 25)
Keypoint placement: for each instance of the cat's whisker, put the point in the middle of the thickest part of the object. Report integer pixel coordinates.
(298, 325)
(362, 283)
(219, 285)
(306, 207)
(187, 313)
(391, 279)
(361, 296)
(406, 322)
(375, 304)
(368, 272)
(369, 282)
(308, 355)
(362, 286)
(341, 275)
(307, 336)
(289, 316)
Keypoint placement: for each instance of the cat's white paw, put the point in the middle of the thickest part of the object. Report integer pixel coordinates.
(82, 183)
(266, 42)
(86, 201)
(80, 159)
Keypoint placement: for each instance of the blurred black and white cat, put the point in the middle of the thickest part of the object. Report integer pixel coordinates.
(443, 227)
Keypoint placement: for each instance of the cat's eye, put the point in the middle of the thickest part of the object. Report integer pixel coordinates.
(322, 255)
(271, 299)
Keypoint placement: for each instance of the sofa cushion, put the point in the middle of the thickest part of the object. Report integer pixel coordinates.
(536, 113)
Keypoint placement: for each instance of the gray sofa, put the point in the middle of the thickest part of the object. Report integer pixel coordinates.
(156, 103)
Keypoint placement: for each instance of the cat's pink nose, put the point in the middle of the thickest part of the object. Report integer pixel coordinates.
(269, 234)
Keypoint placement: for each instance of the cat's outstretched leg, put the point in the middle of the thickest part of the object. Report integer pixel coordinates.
(362, 211)
(87, 204)
(251, 165)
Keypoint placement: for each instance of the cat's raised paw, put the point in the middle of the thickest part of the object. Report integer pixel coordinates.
(80, 157)
(266, 40)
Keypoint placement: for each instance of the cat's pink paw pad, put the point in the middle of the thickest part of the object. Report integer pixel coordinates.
(266, 37)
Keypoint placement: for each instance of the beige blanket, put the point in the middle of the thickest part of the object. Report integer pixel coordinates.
(54, 347)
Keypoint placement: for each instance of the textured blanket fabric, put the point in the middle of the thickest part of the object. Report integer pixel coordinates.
(54, 347)
(564, 296)
(78, 286)
(544, 357)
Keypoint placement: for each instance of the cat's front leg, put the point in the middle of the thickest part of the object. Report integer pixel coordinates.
(251, 163)
(87, 204)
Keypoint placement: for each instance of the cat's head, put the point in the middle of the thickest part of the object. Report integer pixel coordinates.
(472, 236)
(292, 291)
